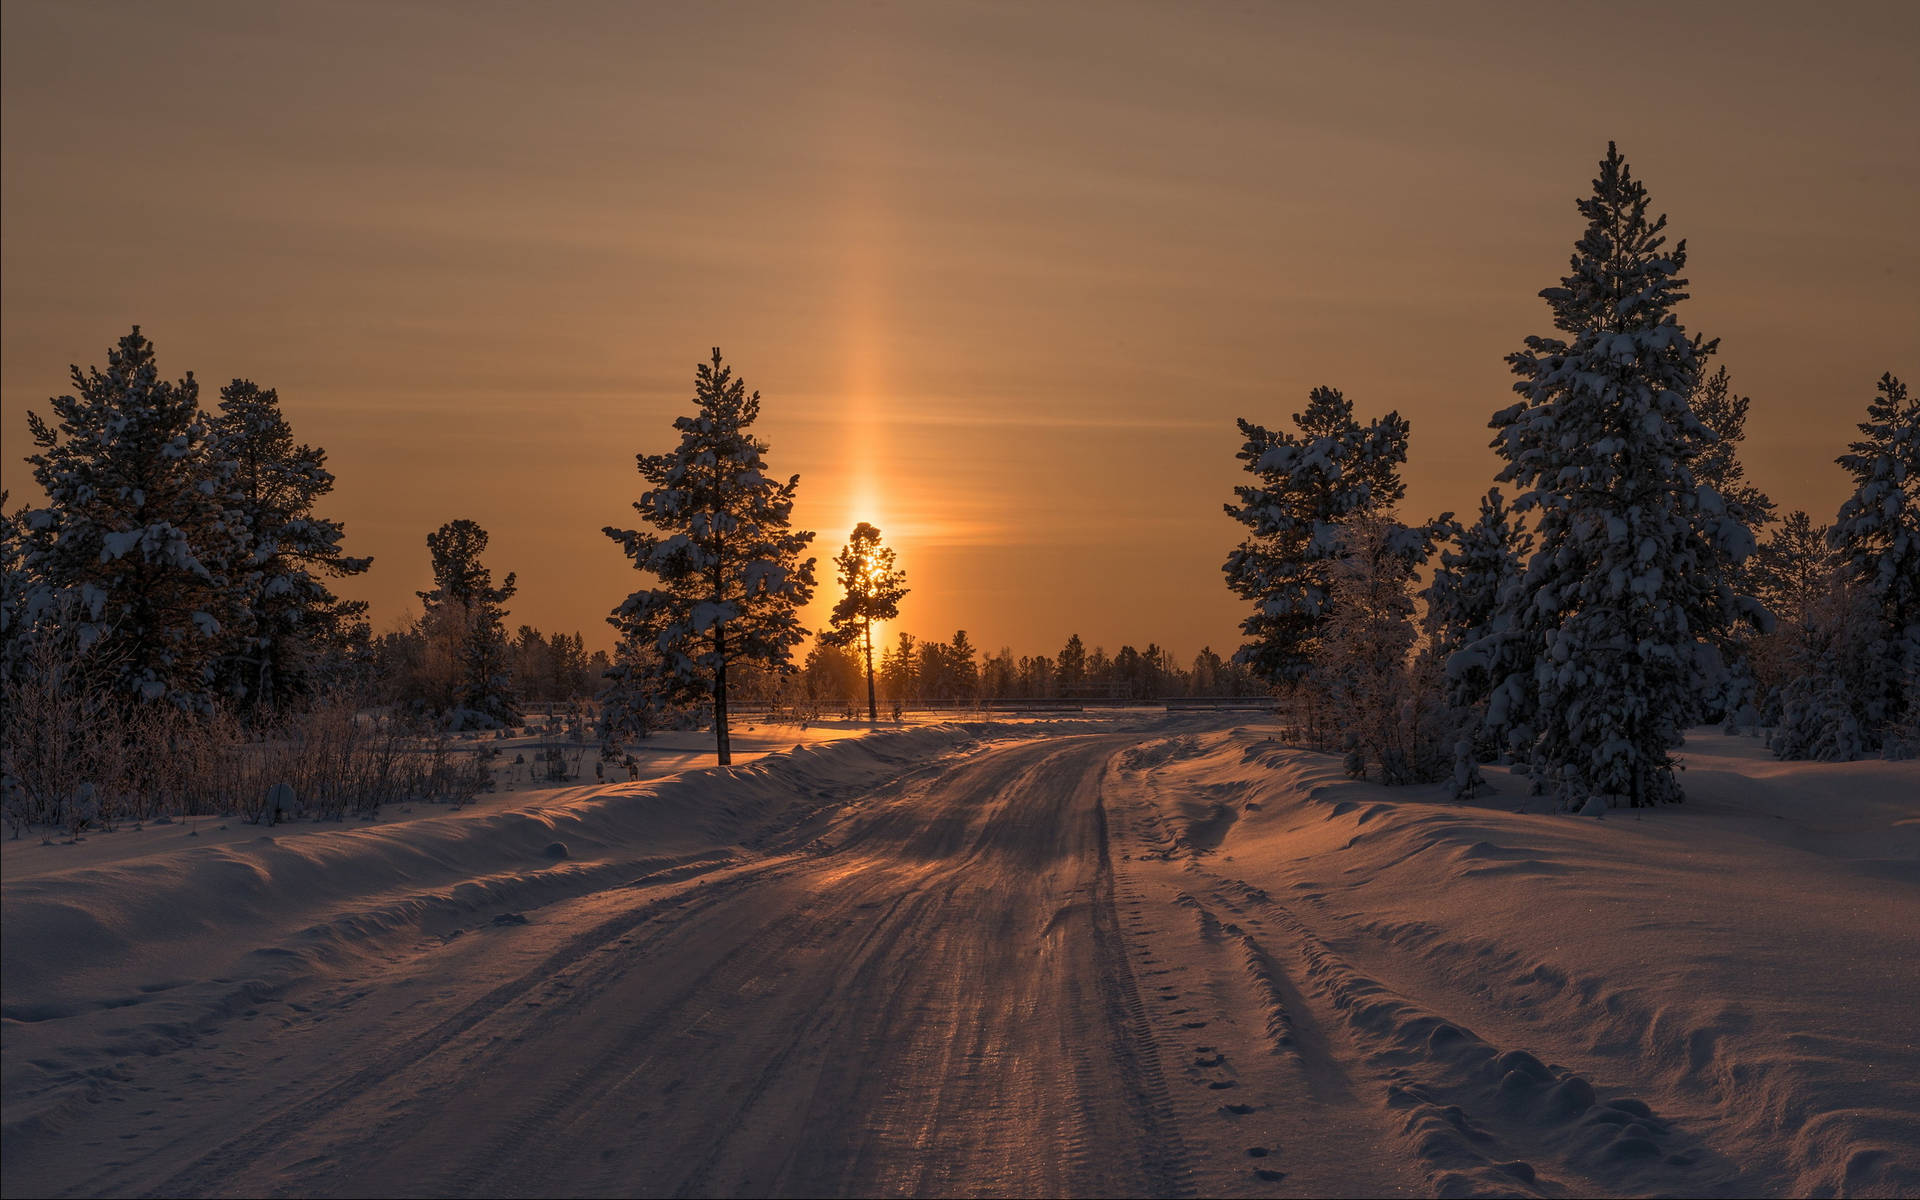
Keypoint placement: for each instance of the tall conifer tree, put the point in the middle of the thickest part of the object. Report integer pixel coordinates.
(465, 616)
(135, 540)
(1610, 655)
(291, 621)
(872, 590)
(731, 579)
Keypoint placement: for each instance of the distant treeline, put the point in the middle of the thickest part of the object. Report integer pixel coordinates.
(916, 669)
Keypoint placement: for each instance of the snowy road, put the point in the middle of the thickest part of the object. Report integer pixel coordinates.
(1016, 969)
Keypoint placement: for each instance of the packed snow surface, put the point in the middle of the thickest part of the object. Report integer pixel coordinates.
(1139, 955)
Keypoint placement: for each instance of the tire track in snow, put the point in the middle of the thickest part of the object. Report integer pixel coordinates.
(201, 1176)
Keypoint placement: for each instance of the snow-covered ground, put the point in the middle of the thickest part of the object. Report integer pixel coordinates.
(516, 785)
(1131, 954)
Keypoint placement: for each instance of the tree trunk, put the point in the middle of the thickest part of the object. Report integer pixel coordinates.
(722, 747)
(873, 709)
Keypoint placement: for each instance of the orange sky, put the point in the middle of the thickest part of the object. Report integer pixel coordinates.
(1004, 277)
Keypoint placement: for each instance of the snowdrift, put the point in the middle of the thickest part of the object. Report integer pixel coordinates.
(1724, 987)
(136, 956)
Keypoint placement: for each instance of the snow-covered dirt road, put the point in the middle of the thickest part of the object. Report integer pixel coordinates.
(970, 961)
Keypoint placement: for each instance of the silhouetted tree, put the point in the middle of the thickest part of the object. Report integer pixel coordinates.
(1071, 667)
(464, 616)
(833, 674)
(900, 668)
(872, 588)
(731, 578)
(962, 666)
(292, 624)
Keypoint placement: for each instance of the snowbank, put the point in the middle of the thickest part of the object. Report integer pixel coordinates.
(137, 954)
(1745, 963)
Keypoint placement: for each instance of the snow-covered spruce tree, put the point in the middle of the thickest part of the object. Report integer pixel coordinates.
(464, 619)
(1305, 485)
(872, 588)
(731, 579)
(293, 623)
(1464, 599)
(1878, 536)
(1619, 604)
(135, 530)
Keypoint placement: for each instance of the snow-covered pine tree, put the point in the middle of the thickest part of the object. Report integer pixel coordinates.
(1464, 600)
(731, 579)
(1617, 605)
(872, 588)
(464, 618)
(1878, 536)
(1305, 485)
(135, 539)
(293, 622)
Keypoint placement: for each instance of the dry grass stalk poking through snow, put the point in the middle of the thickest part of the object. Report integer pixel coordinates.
(72, 762)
